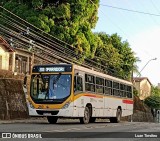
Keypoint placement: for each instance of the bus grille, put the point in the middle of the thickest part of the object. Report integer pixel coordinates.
(49, 112)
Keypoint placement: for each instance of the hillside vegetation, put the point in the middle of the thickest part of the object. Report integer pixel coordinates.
(72, 21)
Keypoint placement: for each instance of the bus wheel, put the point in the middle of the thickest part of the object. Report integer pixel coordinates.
(116, 119)
(52, 120)
(86, 118)
(92, 120)
(118, 115)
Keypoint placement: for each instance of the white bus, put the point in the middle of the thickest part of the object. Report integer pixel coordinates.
(72, 91)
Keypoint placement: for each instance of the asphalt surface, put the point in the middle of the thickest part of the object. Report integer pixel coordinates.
(73, 130)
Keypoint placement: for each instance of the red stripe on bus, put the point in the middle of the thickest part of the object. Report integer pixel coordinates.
(128, 101)
(90, 95)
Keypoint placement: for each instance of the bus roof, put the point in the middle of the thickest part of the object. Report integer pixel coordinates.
(93, 72)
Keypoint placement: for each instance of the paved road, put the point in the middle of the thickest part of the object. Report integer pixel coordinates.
(101, 130)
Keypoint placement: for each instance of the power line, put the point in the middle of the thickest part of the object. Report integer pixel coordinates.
(119, 28)
(130, 10)
(155, 6)
(19, 25)
(14, 24)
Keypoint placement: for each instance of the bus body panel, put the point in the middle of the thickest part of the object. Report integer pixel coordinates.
(76, 108)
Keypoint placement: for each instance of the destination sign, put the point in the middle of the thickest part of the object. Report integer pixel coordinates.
(52, 68)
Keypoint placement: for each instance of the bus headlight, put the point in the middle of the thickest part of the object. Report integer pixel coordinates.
(31, 105)
(66, 105)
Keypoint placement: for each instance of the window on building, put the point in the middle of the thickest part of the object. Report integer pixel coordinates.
(21, 64)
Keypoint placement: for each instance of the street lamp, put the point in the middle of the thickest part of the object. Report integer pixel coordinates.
(146, 65)
(139, 74)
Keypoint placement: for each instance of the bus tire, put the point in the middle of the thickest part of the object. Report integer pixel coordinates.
(92, 120)
(116, 119)
(86, 118)
(118, 115)
(52, 119)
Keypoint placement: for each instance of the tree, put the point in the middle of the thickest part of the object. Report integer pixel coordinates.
(154, 100)
(72, 21)
(116, 55)
(68, 20)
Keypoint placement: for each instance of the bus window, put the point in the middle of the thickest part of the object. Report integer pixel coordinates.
(116, 89)
(89, 83)
(122, 90)
(108, 87)
(39, 86)
(59, 86)
(78, 83)
(50, 86)
(99, 85)
(129, 92)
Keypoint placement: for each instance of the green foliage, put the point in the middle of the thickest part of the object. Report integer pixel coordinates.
(155, 91)
(154, 100)
(37, 3)
(62, 11)
(72, 21)
(127, 55)
(135, 92)
(116, 55)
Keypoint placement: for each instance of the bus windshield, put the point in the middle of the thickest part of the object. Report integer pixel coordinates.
(50, 87)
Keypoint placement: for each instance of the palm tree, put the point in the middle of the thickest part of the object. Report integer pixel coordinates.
(135, 68)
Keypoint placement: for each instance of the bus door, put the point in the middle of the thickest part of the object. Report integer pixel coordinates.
(100, 96)
(78, 91)
(108, 100)
(129, 101)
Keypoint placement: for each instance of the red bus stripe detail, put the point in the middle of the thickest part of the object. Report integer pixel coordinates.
(128, 101)
(90, 95)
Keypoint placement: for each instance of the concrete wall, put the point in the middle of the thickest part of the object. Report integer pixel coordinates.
(141, 113)
(140, 116)
(12, 99)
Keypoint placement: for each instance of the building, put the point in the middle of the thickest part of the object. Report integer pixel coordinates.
(16, 60)
(143, 86)
(20, 59)
(5, 55)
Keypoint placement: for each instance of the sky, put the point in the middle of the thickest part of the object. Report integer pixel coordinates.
(142, 31)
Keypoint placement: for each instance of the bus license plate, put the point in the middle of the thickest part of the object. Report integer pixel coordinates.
(47, 114)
